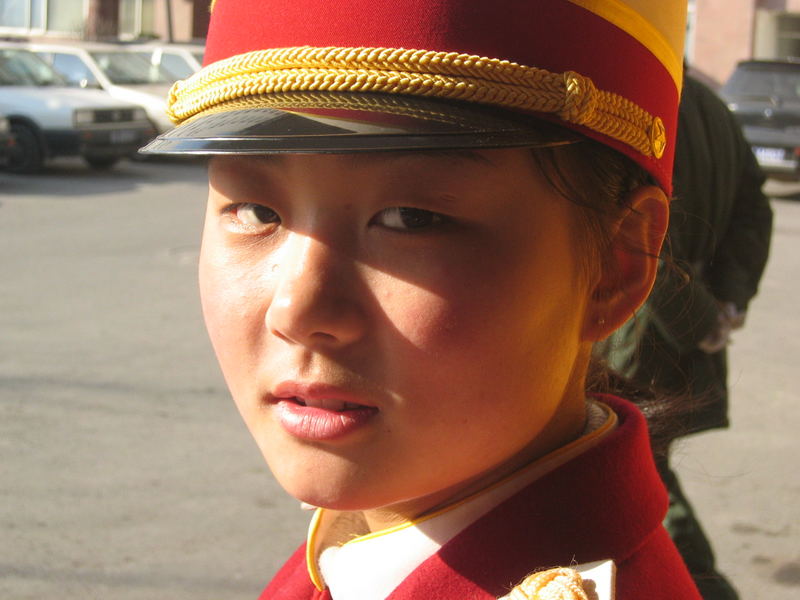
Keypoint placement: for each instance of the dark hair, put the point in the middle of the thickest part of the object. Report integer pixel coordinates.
(596, 178)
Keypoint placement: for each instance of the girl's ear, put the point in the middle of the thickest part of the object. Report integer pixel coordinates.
(628, 269)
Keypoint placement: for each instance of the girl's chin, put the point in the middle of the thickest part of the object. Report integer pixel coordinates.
(324, 480)
(349, 500)
(340, 505)
(331, 498)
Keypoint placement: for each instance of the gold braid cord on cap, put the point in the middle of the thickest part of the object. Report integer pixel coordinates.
(445, 75)
(394, 105)
(553, 584)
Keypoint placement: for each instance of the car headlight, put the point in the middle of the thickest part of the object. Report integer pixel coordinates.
(83, 116)
(4, 125)
(139, 114)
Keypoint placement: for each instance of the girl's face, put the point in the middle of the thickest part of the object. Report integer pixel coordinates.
(395, 328)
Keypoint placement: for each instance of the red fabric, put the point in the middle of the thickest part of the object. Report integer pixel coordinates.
(606, 503)
(556, 35)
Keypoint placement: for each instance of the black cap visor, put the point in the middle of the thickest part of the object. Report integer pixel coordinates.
(348, 122)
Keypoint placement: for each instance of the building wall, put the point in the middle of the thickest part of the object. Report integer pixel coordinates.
(727, 31)
(777, 29)
(104, 19)
(201, 17)
(723, 35)
(780, 5)
(184, 13)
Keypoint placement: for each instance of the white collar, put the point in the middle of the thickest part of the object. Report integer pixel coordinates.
(355, 564)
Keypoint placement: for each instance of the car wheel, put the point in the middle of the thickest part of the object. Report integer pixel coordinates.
(27, 153)
(101, 162)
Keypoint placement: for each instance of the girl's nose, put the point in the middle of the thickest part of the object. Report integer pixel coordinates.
(316, 295)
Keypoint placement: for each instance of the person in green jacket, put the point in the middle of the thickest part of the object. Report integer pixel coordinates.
(718, 244)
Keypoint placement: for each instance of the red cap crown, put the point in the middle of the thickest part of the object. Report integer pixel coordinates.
(609, 69)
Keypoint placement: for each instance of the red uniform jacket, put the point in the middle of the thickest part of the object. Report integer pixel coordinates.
(608, 502)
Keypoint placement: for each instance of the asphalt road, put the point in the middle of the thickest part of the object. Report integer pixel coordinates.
(126, 473)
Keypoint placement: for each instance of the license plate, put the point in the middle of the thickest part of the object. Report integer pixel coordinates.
(775, 157)
(123, 137)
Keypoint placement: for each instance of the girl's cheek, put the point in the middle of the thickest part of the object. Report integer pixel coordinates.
(427, 321)
(212, 299)
(232, 297)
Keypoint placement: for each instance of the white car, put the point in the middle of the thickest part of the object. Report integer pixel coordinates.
(47, 118)
(123, 74)
(179, 60)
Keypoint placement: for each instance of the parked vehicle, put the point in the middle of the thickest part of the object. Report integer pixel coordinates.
(123, 74)
(48, 119)
(6, 140)
(179, 60)
(765, 97)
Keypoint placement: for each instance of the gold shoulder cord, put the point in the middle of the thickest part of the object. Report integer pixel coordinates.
(445, 75)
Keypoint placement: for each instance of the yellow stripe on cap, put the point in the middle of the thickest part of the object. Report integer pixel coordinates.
(658, 26)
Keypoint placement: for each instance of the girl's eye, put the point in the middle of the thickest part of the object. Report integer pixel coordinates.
(253, 216)
(404, 218)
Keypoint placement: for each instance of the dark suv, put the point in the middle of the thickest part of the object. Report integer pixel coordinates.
(765, 97)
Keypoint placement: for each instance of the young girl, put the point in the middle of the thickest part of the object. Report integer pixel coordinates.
(411, 244)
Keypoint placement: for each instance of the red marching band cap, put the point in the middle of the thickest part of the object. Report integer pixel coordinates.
(372, 75)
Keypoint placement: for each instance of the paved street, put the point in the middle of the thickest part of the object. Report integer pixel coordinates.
(125, 471)
(745, 481)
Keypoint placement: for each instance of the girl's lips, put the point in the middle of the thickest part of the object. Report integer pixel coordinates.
(319, 412)
(320, 424)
